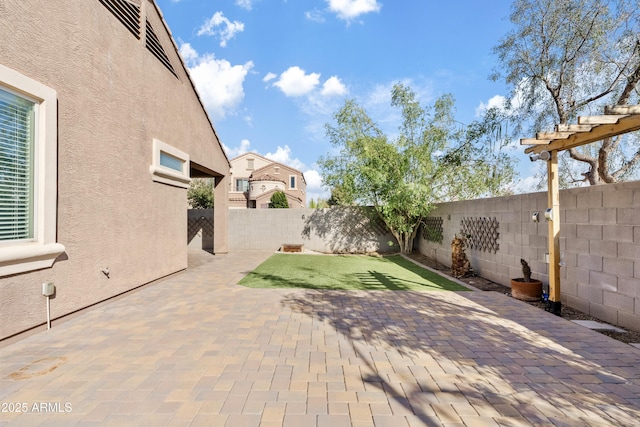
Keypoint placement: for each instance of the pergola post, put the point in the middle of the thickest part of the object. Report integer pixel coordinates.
(617, 120)
(553, 202)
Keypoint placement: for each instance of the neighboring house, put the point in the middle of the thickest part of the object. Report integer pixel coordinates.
(255, 178)
(101, 130)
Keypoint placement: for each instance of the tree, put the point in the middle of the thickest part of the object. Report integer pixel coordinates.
(318, 204)
(200, 193)
(570, 57)
(432, 159)
(278, 200)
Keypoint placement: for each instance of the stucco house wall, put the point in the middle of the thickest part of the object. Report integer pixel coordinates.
(599, 245)
(264, 176)
(114, 99)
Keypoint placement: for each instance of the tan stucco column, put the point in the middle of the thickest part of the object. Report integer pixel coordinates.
(220, 215)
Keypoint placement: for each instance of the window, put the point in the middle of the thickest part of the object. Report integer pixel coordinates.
(169, 165)
(292, 182)
(28, 174)
(242, 185)
(17, 116)
(276, 170)
(250, 164)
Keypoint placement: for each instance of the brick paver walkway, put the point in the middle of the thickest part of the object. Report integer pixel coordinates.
(195, 349)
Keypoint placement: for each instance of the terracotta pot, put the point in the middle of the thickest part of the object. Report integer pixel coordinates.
(526, 291)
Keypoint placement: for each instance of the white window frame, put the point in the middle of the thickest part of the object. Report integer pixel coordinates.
(295, 182)
(167, 175)
(235, 189)
(41, 251)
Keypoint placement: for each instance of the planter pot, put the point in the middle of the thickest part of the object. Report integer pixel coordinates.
(526, 291)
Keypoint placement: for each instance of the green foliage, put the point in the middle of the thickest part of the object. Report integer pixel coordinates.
(278, 200)
(432, 159)
(200, 193)
(319, 204)
(340, 197)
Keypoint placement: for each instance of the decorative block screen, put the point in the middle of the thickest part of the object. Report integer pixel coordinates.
(432, 229)
(481, 233)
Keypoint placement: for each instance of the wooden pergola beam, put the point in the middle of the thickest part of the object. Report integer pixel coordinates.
(619, 126)
(617, 120)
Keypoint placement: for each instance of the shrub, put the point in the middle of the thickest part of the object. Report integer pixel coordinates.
(279, 200)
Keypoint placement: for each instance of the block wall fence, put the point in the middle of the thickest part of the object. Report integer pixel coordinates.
(334, 230)
(599, 245)
(599, 241)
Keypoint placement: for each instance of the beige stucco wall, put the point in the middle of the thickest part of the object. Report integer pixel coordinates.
(114, 98)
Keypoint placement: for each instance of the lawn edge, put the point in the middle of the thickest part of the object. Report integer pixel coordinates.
(446, 276)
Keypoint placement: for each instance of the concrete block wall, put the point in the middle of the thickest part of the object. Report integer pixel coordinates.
(334, 230)
(599, 244)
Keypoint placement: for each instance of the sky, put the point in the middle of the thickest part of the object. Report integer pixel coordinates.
(271, 73)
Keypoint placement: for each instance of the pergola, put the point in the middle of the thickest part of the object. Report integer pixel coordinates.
(616, 120)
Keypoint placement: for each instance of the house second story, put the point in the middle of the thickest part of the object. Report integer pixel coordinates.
(255, 178)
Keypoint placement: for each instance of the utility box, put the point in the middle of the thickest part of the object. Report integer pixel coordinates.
(48, 289)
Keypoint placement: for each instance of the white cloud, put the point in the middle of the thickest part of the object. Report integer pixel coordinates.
(220, 26)
(245, 4)
(350, 9)
(295, 82)
(188, 53)
(315, 187)
(283, 155)
(314, 15)
(218, 82)
(236, 151)
(333, 87)
(269, 77)
(497, 101)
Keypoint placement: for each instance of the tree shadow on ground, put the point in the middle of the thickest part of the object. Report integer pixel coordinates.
(509, 361)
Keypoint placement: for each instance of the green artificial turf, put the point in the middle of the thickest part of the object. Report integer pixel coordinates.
(349, 272)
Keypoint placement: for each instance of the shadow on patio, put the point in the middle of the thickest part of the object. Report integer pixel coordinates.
(518, 362)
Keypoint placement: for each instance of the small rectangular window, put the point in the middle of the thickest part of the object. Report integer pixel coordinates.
(169, 165)
(276, 170)
(292, 181)
(171, 162)
(250, 164)
(242, 185)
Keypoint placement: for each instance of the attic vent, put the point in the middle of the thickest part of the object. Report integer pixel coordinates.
(127, 13)
(154, 46)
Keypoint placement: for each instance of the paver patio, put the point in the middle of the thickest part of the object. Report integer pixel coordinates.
(195, 349)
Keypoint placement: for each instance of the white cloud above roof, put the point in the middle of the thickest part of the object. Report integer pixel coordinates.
(296, 82)
(221, 27)
(243, 148)
(351, 9)
(219, 83)
(283, 155)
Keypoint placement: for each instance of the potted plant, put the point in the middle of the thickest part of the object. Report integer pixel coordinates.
(525, 288)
